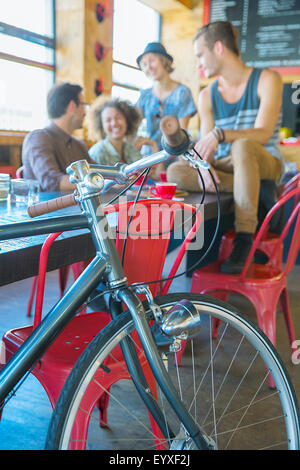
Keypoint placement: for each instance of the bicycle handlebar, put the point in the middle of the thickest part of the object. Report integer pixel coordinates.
(175, 141)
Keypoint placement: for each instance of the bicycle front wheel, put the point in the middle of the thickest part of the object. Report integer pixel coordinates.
(223, 382)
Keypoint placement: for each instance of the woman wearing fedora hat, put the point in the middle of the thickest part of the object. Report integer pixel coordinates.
(166, 97)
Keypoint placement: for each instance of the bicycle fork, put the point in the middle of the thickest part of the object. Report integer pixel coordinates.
(158, 369)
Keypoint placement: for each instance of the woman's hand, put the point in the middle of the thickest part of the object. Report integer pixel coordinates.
(156, 170)
(140, 141)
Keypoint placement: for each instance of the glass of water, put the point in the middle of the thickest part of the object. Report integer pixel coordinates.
(24, 191)
(4, 186)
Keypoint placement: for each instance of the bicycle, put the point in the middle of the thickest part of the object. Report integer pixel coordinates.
(195, 413)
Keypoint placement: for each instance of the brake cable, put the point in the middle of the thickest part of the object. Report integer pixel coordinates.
(195, 265)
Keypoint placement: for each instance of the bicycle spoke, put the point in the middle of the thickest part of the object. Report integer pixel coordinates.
(223, 383)
(207, 369)
(212, 380)
(224, 378)
(243, 407)
(247, 408)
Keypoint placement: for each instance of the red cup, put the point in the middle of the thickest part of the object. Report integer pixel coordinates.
(163, 190)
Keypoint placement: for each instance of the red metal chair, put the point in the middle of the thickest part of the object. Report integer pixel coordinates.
(9, 169)
(149, 255)
(269, 240)
(63, 276)
(63, 273)
(263, 285)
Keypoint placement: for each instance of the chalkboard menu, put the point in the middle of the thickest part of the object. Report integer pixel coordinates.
(269, 30)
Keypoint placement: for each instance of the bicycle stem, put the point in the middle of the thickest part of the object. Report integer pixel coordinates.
(120, 172)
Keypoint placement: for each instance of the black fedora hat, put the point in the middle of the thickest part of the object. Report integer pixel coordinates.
(154, 47)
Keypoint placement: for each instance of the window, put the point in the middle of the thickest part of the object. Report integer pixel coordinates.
(27, 61)
(135, 24)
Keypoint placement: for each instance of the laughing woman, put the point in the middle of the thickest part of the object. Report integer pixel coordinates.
(109, 123)
(113, 124)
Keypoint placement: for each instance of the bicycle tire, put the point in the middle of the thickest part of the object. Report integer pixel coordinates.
(275, 412)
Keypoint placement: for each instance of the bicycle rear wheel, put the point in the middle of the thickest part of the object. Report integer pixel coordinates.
(224, 383)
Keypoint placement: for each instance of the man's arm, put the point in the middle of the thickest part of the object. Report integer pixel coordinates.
(270, 94)
(208, 142)
(38, 157)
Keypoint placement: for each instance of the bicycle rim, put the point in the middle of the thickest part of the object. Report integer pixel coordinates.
(224, 383)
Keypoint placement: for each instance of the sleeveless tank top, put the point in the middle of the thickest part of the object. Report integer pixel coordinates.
(242, 115)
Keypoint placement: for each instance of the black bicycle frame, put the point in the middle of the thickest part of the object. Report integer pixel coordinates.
(65, 309)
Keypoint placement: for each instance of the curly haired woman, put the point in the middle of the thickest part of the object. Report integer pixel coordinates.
(112, 123)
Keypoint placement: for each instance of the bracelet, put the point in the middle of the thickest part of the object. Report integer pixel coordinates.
(219, 134)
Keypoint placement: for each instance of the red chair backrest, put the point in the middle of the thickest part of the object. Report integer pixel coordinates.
(293, 224)
(290, 184)
(148, 237)
(144, 255)
(294, 219)
(293, 183)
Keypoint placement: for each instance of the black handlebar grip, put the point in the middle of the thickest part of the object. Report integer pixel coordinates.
(175, 140)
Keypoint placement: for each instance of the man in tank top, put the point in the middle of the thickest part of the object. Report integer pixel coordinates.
(240, 114)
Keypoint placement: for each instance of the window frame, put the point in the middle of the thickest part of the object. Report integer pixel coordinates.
(35, 38)
(47, 41)
(114, 61)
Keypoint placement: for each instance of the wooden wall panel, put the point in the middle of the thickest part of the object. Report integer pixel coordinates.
(78, 30)
(178, 29)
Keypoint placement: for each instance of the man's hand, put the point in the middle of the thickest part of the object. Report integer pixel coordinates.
(208, 183)
(65, 185)
(206, 147)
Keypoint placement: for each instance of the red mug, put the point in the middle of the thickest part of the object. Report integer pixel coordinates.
(163, 190)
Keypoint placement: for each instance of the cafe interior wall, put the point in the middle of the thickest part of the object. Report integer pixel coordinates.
(77, 32)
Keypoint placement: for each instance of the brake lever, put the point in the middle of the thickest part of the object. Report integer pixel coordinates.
(197, 164)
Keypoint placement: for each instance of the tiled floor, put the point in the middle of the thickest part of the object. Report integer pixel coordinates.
(25, 419)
